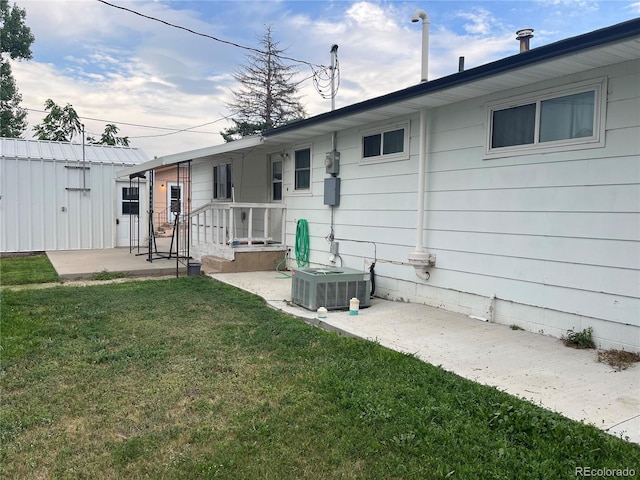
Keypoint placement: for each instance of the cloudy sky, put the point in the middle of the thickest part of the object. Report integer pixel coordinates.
(167, 88)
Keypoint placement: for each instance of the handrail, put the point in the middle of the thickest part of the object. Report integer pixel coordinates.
(216, 223)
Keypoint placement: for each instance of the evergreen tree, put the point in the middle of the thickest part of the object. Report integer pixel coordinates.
(267, 97)
(15, 43)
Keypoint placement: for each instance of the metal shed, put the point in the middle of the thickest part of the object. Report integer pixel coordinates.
(65, 196)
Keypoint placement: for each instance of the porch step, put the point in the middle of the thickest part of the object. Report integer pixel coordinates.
(244, 262)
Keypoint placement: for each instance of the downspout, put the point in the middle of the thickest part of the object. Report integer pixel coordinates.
(420, 259)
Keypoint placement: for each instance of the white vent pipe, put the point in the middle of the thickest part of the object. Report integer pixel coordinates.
(421, 14)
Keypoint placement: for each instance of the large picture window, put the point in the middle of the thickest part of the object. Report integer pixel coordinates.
(566, 118)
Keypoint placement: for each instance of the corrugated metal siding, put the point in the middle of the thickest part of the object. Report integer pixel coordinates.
(42, 204)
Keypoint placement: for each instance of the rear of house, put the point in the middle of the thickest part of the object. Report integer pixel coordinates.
(509, 192)
(63, 196)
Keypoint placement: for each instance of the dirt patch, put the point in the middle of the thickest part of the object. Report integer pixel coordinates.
(618, 359)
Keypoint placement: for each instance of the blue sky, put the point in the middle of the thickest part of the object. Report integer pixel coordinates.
(117, 67)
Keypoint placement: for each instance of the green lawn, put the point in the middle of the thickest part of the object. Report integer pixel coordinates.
(189, 378)
(28, 269)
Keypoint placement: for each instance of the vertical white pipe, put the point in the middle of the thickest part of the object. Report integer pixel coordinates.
(421, 14)
(422, 168)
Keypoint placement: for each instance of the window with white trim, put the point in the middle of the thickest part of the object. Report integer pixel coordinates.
(222, 181)
(276, 180)
(386, 144)
(302, 169)
(569, 117)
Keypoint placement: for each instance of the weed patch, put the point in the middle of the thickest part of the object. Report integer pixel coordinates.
(581, 339)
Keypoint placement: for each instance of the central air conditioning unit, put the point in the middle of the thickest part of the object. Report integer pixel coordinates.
(331, 288)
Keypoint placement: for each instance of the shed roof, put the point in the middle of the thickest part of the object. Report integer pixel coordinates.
(65, 151)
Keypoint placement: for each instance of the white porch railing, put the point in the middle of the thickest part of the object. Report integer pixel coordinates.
(223, 226)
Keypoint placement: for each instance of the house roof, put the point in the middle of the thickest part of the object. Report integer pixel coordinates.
(607, 46)
(65, 151)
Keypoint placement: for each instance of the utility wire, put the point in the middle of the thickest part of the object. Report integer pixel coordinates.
(171, 130)
(311, 65)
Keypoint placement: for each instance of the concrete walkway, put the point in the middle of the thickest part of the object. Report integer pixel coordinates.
(528, 365)
(83, 264)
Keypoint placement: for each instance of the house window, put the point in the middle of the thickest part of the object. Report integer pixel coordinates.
(303, 169)
(130, 201)
(566, 118)
(385, 144)
(222, 181)
(276, 180)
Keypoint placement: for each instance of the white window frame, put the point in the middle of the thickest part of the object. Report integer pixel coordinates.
(272, 181)
(302, 190)
(389, 157)
(229, 183)
(597, 140)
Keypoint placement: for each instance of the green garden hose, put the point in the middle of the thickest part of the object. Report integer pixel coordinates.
(302, 243)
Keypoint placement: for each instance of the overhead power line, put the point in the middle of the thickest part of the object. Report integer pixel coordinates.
(211, 37)
(171, 131)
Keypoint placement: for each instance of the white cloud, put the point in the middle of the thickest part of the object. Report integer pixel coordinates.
(119, 67)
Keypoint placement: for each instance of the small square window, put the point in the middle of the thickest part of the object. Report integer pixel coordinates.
(371, 145)
(386, 144)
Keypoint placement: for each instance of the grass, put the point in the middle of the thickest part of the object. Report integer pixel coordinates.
(22, 270)
(193, 379)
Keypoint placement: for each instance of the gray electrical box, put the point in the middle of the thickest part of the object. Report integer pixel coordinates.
(332, 163)
(332, 191)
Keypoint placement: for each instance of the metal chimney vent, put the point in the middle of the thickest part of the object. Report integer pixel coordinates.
(524, 36)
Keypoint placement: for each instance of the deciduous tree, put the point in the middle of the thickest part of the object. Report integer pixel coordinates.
(15, 44)
(60, 124)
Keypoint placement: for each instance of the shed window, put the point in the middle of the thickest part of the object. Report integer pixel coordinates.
(130, 201)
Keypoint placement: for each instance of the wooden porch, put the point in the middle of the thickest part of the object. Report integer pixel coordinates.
(238, 237)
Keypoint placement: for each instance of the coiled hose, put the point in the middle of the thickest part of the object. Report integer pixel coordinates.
(302, 243)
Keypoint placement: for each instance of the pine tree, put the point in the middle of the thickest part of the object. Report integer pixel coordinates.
(267, 97)
(15, 42)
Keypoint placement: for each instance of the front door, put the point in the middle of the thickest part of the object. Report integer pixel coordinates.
(131, 224)
(175, 200)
